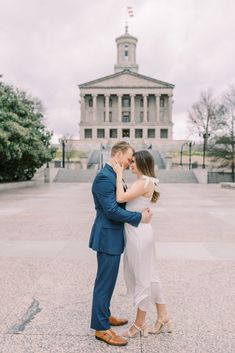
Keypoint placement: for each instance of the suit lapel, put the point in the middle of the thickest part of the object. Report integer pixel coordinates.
(124, 185)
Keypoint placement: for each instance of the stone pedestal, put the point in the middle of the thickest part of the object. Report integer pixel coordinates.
(168, 160)
(84, 162)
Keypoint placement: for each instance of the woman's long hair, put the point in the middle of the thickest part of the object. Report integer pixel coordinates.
(145, 164)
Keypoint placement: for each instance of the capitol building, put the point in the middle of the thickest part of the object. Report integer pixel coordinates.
(126, 105)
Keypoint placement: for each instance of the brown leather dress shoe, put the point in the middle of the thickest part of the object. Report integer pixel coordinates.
(110, 337)
(113, 321)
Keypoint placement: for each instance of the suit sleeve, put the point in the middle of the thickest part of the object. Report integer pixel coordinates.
(106, 194)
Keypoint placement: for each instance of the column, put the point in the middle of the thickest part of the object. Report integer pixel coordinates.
(170, 102)
(145, 107)
(107, 107)
(119, 133)
(145, 132)
(119, 108)
(157, 96)
(94, 96)
(82, 102)
(132, 108)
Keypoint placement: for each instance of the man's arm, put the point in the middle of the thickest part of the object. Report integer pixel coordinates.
(106, 194)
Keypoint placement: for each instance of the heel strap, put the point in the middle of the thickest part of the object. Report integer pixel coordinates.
(137, 327)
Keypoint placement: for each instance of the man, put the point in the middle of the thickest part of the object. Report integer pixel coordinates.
(107, 238)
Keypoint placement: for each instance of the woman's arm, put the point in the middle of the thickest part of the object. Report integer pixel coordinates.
(137, 189)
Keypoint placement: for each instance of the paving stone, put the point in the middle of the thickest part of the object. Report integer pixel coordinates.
(45, 264)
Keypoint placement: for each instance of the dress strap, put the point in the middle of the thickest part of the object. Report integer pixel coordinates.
(146, 179)
(154, 180)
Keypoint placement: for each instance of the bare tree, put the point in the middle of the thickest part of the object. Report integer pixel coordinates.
(205, 118)
(69, 147)
(223, 147)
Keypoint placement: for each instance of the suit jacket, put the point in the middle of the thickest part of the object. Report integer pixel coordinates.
(107, 234)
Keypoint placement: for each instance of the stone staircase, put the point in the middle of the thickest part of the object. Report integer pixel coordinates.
(75, 176)
(167, 176)
(176, 176)
(87, 176)
(98, 158)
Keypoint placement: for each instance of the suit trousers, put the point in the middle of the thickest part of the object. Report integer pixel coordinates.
(107, 272)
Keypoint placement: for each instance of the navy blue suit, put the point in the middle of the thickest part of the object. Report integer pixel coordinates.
(107, 238)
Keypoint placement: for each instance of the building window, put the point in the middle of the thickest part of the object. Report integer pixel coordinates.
(113, 133)
(126, 102)
(90, 102)
(100, 133)
(138, 133)
(141, 117)
(151, 133)
(126, 117)
(164, 133)
(88, 133)
(110, 117)
(125, 132)
(126, 52)
(162, 102)
(110, 102)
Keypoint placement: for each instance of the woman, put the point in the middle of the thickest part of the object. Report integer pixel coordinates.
(140, 272)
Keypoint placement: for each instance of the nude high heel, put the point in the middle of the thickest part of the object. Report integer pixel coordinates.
(164, 327)
(143, 330)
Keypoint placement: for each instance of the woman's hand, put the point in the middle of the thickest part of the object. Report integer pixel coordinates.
(116, 166)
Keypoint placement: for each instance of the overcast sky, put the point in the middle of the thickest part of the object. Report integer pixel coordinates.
(48, 47)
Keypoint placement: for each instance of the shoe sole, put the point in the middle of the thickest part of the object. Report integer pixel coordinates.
(158, 333)
(111, 344)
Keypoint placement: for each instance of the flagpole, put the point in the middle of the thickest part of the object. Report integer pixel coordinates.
(126, 22)
(129, 13)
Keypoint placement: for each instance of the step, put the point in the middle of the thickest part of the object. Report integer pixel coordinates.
(88, 175)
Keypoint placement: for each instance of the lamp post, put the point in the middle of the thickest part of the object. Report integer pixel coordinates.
(233, 149)
(205, 138)
(101, 156)
(63, 141)
(190, 144)
(181, 153)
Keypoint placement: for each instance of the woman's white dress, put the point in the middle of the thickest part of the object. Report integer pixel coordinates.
(140, 262)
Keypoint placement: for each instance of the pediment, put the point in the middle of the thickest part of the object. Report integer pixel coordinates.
(126, 79)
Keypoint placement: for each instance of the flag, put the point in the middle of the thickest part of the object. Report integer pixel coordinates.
(130, 11)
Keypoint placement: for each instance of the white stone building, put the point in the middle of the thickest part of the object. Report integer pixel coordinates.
(126, 105)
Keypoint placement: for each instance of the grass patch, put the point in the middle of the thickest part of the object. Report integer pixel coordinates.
(74, 155)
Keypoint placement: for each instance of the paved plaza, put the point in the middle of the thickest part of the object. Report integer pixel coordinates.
(47, 271)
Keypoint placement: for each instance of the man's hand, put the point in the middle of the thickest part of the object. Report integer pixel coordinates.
(146, 215)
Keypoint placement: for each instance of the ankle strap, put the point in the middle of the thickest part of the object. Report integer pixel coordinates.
(137, 327)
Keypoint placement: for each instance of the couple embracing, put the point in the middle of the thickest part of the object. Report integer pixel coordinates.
(123, 222)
